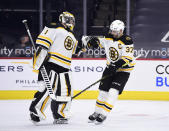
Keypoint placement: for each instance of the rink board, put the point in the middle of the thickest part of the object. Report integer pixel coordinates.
(92, 94)
(148, 81)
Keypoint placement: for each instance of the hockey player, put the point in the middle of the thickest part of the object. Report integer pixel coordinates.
(119, 53)
(55, 46)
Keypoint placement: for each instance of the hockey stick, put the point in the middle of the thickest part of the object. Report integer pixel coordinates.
(105, 77)
(43, 71)
(90, 86)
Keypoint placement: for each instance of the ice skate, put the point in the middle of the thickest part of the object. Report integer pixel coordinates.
(61, 121)
(93, 117)
(100, 119)
(36, 115)
(34, 118)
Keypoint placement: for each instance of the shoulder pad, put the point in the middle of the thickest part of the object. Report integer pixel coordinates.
(127, 40)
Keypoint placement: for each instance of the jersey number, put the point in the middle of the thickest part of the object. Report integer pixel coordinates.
(129, 49)
(46, 32)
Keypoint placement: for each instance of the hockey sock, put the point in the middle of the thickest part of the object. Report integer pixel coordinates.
(111, 99)
(101, 101)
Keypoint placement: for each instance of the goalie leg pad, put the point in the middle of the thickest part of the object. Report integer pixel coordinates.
(42, 99)
(64, 91)
(37, 104)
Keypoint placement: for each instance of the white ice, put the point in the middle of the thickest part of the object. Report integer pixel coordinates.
(126, 116)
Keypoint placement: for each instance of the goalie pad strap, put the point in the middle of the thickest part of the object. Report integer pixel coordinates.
(63, 98)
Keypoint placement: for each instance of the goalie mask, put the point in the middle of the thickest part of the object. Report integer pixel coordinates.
(67, 19)
(117, 28)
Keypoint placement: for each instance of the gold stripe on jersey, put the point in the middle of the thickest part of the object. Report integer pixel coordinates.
(46, 38)
(129, 69)
(61, 61)
(109, 38)
(121, 42)
(128, 57)
(61, 58)
(127, 61)
(132, 64)
(75, 47)
(43, 43)
(60, 55)
(60, 28)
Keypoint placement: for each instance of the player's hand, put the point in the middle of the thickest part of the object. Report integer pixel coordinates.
(85, 40)
(90, 42)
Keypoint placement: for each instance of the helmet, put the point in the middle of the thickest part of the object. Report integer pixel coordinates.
(117, 26)
(67, 19)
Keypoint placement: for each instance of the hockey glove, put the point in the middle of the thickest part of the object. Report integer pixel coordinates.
(90, 42)
(113, 67)
(93, 42)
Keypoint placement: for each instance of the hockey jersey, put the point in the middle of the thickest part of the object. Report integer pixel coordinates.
(60, 43)
(119, 48)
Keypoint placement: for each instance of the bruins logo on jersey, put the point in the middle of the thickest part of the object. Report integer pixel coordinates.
(68, 43)
(113, 53)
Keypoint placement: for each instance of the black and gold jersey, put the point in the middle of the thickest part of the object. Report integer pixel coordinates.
(60, 43)
(119, 48)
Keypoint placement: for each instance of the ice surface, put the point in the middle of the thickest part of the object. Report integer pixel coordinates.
(126, 116)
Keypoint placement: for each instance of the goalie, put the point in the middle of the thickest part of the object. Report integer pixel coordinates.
(119, 53)
(55, 47)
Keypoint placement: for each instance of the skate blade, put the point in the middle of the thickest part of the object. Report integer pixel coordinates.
(98, 123)
(34, 122)
(60, 122)
(89, 121)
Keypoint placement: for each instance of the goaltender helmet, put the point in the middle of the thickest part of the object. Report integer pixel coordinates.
(67, 19)
(117, 27)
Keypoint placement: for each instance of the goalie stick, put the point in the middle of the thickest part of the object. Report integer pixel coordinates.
(44, 73)
(98, 81)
